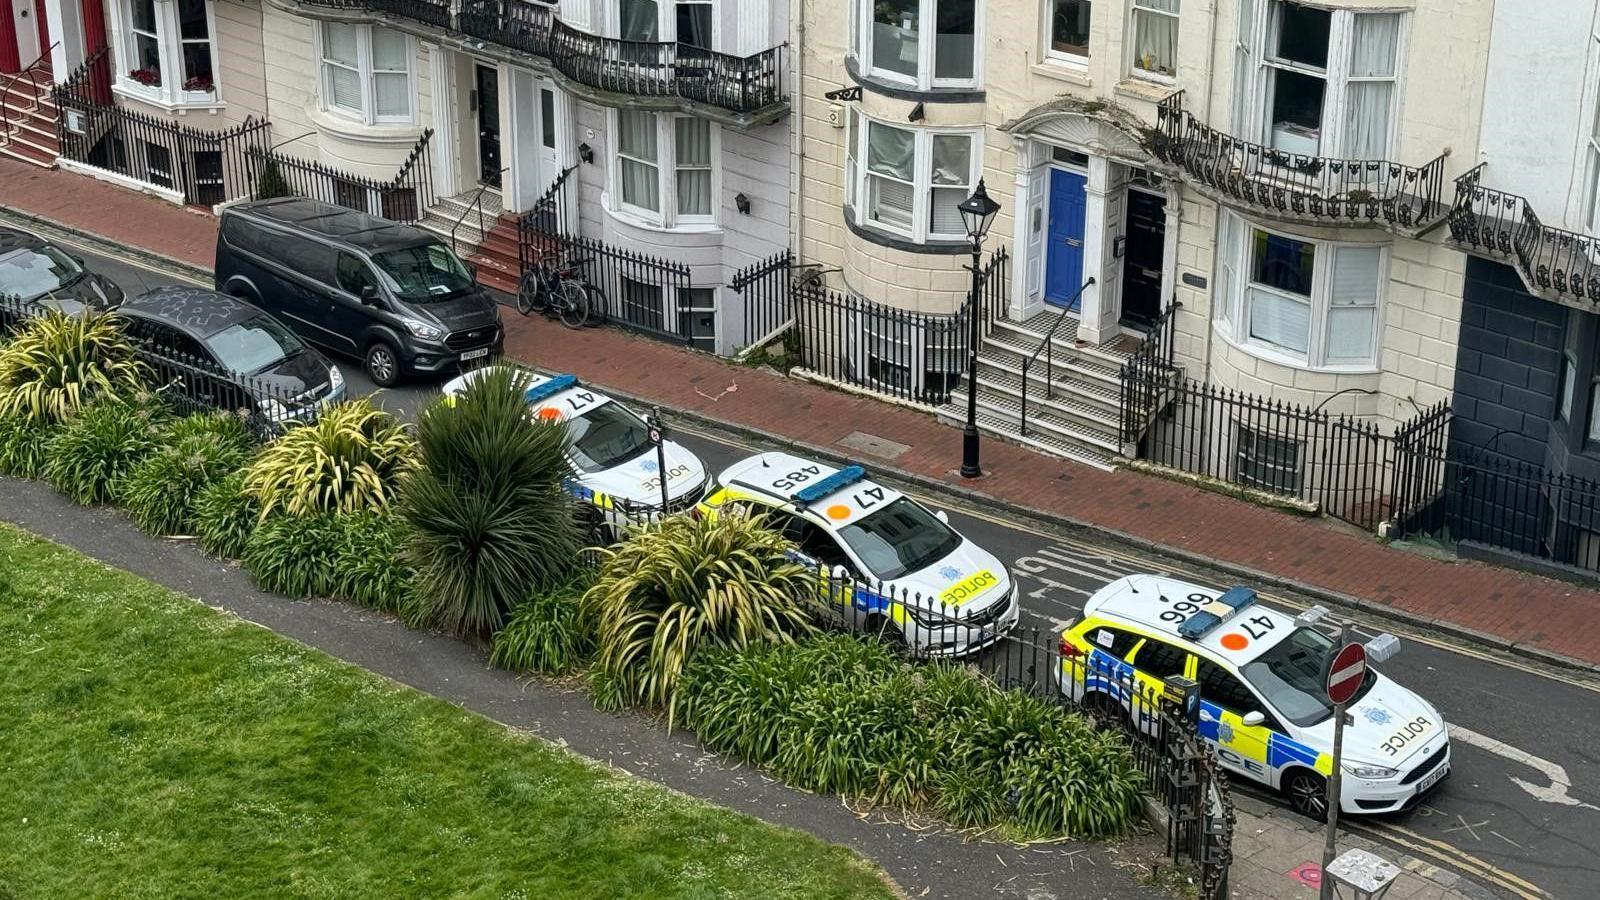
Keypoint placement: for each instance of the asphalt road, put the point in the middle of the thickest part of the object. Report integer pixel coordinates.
(1520, 811)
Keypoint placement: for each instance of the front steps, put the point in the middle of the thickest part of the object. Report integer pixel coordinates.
(1080, 419)
(28, 120)
(491, 248)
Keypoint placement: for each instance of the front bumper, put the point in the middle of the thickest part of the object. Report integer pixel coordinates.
(432, 358)
(953, 640)
(1365, 796)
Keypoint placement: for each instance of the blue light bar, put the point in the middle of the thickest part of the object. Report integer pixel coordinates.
(838, 481)
(1200, 624)
(555, 385)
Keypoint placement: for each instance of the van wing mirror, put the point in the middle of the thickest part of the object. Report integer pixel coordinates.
(369, 294)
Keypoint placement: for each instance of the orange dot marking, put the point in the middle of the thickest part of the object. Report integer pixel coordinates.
(549, 414)
(1234, 641)
(838, 511)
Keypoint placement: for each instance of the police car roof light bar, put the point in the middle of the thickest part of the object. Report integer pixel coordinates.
(1200, 624)
(550, 388)
(838, 481)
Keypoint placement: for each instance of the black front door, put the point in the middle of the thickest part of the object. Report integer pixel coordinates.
(1142, 258)
(488, 126)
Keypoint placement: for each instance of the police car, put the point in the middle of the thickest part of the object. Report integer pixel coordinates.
(908, 571)
(617, 466)
(1262, 679)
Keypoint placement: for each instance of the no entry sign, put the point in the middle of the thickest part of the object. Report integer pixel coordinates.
(1347, 672)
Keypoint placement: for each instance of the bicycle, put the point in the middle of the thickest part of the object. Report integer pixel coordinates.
(558, 291)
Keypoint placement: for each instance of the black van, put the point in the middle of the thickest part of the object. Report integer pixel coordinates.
(391, 295)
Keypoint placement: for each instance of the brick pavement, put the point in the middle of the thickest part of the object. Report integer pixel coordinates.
(1503, 605)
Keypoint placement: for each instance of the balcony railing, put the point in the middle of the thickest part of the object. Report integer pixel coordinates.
(1557, 263)
(637, 68)
(740, 84)
(1316, 190)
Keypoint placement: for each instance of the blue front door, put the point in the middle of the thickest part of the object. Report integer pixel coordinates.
(1063, 255)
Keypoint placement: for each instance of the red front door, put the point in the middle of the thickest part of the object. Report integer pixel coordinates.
(42, 22)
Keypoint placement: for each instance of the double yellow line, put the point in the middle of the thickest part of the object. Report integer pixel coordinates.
(1449, 857)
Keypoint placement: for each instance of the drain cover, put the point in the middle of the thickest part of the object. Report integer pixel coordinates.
(871, 444)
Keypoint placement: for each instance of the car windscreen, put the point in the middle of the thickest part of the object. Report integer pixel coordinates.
(29, 273)
(605, 436)
(1291, 676)
(902, 537)
(253, 345)
(423, 273)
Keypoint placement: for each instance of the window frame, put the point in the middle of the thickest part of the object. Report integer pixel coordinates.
(860, 24)
(1136, 8)
(1232, 316)
(666, 166)
(366, 74)
(1048, 51)
(1247, 434)
(1590, 143)
(666, 20)
(1253, 118)
(858, 170)
(169, 54)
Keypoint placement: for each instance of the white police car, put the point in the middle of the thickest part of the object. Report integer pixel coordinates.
(1262, 678)
(908, 571)
(616, 464)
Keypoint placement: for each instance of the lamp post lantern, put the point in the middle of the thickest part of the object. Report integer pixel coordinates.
(977, 214)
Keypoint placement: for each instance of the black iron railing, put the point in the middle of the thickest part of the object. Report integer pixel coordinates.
(20, 92)
(544, 222)
(1313, 189)
(1048, 346)
(767, 291)
(1558, 263)
(1146, 374)
(403, 198)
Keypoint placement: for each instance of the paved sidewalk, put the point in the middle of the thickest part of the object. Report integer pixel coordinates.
(1500, 606)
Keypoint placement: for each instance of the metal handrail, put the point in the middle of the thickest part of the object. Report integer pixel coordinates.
(28, 70)
(477, 202)
(1048, 345)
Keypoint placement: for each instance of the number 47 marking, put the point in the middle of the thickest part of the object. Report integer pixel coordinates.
(1258, 626)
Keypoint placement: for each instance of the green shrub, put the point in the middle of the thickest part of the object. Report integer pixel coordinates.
(367, 567)
(23, 446)
(223, 516)
(735, 700)
(686, 583)
(544, 633)
(348, 460)
(860, 736)
(194, 451)
(91, 454)
(295, 555)
(487, 517)
(270, 183)
(57, 364)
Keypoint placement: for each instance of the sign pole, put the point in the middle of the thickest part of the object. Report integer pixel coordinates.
(658, 438)
(1329, 850)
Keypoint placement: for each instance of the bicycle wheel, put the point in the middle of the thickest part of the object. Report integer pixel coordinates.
(530, 294)
(574, 304)
(597, 303)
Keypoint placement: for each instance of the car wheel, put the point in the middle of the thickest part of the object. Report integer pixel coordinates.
(382, 365)
(1308, 794)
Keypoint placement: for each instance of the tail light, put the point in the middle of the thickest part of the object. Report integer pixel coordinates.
(1068, 649)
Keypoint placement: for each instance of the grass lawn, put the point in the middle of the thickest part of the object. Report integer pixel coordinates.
(153, 747)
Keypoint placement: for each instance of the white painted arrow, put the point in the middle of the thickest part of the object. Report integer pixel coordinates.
(1554, 792)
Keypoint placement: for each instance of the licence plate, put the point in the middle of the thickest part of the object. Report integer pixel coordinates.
(1432, 779)
(475, 354)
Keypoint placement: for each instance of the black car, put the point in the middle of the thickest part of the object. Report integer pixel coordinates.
(34, 270)
(227, 353)
(391, 295)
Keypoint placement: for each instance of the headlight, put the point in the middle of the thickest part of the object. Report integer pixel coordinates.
(421, 329)
(1371, 771)
(335, 379)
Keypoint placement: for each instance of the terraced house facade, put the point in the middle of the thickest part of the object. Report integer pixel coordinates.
(1266, 181)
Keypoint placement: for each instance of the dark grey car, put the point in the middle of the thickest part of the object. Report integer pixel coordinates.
(34, 270)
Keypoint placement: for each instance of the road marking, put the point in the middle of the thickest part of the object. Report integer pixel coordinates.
(1554, 792)
(1452, 857)
(65, 238)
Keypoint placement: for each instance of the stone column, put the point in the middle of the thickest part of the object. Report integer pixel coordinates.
(1096, 322)
(1022, 305)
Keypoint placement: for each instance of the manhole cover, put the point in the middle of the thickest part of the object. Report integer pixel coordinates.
(871, 444)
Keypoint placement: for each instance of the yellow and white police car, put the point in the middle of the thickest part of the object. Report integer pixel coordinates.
(616, 465)
(908, 571)
(1262, 679)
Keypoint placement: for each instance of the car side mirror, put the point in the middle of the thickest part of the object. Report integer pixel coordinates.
(942, 516)
(1254, 718)
(840, 573)
(369, 295)
(472, 270)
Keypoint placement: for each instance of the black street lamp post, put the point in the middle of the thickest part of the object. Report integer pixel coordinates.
(977, 213)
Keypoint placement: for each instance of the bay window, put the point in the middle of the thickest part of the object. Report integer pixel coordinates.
(1155, 38)
(1068, 34)
(909, 181)
(924, 44)
(366, 73)
(166, 51)
(1592, 160)
(664, 167)
(1313, 303)
(690, 22)
(1325, 84)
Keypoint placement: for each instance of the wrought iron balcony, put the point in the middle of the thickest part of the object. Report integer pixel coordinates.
(635, 68)
(1312, 190)
(1557, 264)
